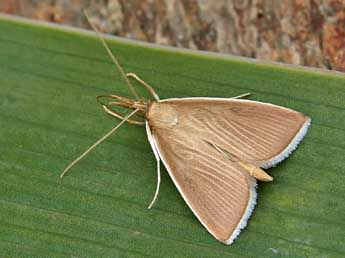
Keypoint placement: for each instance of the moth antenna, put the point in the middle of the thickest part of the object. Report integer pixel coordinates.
(117, 115)
(98, 142)
(130, 86)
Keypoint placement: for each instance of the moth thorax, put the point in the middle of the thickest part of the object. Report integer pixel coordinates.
(162, 115)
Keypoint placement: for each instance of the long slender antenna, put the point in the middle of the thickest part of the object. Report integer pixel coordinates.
(130, 86)
(98, 142)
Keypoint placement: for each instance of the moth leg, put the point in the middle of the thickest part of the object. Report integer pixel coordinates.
(252, 170)
(147, 86)
(255, 172)
(117, 115)
(155, 152)
(241, 96)
(158, 184)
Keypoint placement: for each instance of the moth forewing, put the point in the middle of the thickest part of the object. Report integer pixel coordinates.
(220, 191)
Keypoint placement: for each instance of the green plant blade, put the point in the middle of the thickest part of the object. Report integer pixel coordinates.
(49, 78)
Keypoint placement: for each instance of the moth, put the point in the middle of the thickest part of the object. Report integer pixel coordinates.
(214, 149)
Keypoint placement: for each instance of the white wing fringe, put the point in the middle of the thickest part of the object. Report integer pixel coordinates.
(290, 148)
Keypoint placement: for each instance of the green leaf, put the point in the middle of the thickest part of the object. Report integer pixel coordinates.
(49, 78)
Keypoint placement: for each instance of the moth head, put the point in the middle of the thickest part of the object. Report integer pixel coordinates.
(110, 102)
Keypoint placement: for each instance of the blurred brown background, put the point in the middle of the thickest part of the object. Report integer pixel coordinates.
(303, 32)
